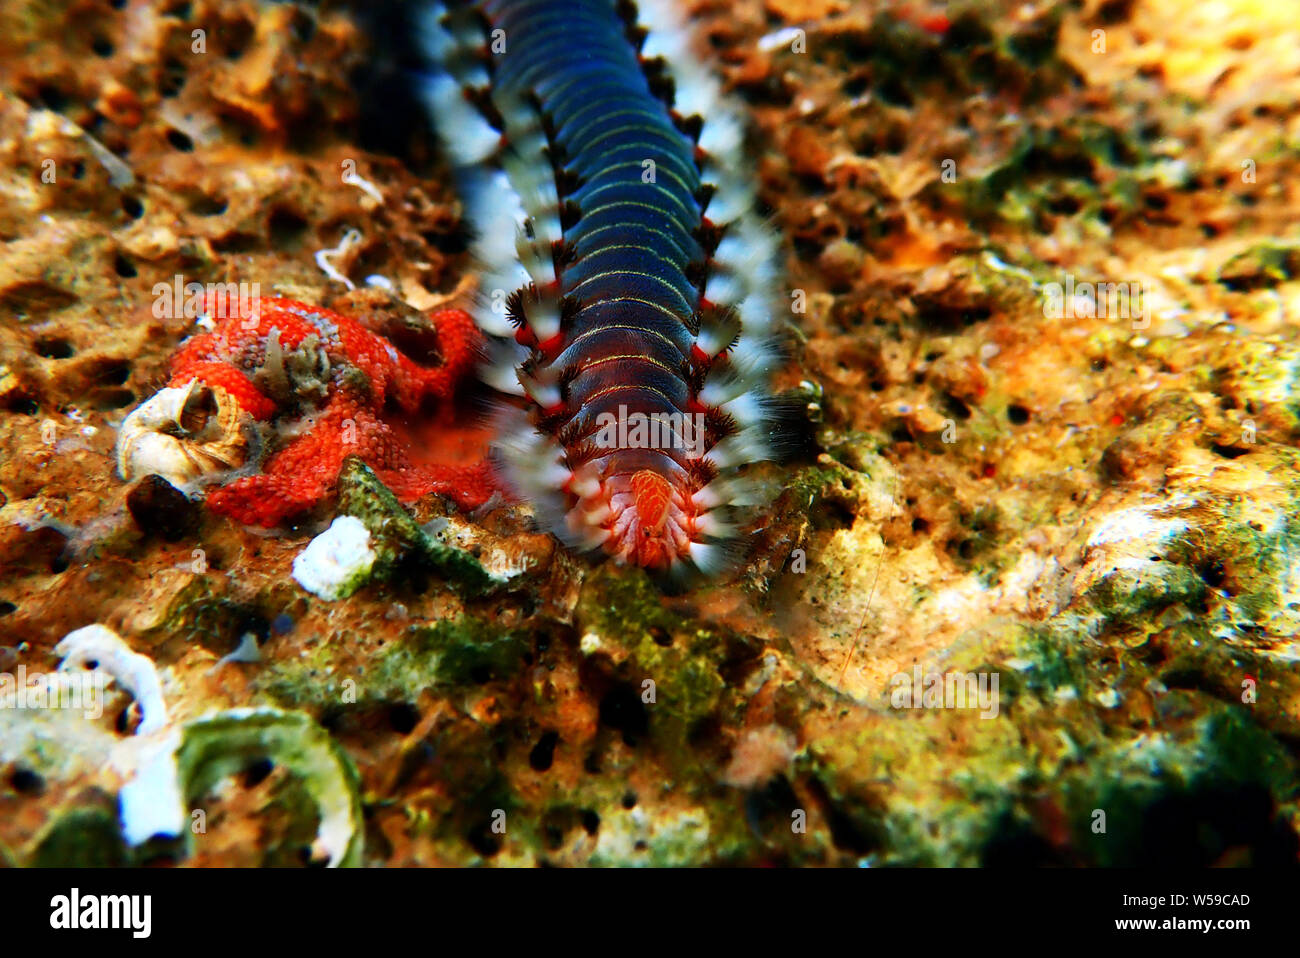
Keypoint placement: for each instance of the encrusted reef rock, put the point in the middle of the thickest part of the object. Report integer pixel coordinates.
(1030, 593)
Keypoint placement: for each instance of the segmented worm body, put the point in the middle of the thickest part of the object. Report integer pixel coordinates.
(627, 282)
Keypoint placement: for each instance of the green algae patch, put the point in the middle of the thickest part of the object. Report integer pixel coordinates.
(449, 654)
(400, 545)
(920, 788)
(1060, 169)
(1223, 546)
(1058, 780)
(1126, 595)
(1262, 266)
(670, 666)
(465, 651)
(981, 54)
(229, 742)
(851, 474)
(674, 842)
(190, 612)
(86, 836)
(809, 485)
(664, 687)
(218, 623)
(1262, 377)
(1136, 800)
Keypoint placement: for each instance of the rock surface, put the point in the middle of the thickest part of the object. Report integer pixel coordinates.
(1086, 491)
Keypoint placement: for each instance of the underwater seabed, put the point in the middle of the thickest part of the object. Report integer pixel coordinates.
(1030, 594)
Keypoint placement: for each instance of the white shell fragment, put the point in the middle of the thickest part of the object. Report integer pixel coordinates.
(338, 561)
(150, 800)
(134, 672)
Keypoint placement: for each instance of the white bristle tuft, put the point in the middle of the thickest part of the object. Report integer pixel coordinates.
(717, 333)
(669, 45)
(760, 239)
(475, 139)
(533, 463)
(437, 42)
(756, 312)
(492, 322)
(740, 449)
(746, 409)
(723, 289)
(501, 370)
(695, 93)
(752, 359)
(732, 252)
(712, 526)
(536, 261)
(748, 252)
(584, 486)
(720, 390)
(540, 393)
(536, 187)
(730, 491)
(732, 199)
(543, 317)
(495, 287)
(722, 135)
(520, 116)
(709, 559)
(583, 533)
(493, 209)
